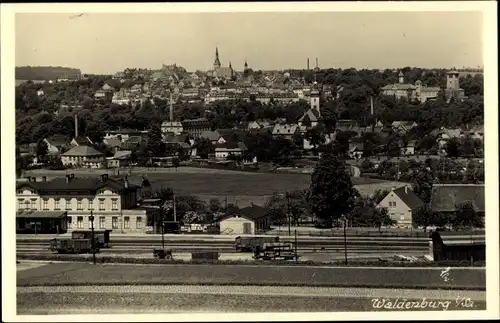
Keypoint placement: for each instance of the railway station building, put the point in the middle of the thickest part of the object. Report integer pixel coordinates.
(112, 201)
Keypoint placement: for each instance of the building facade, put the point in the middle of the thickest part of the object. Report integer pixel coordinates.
(112, 202)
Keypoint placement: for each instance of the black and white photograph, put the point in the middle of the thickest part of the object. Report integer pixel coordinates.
(249, 161)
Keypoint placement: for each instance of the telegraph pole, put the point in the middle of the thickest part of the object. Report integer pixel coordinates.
(345, 239)
(288, 212)
(91, 218)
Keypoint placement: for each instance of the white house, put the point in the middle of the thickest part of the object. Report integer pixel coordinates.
(223, 150)
(250, 220)
(174, 127)
(401, 203)
(84, 156)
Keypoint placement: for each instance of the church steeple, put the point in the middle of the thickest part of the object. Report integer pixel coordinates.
(230, 66)
(246, 64)
(217, 61)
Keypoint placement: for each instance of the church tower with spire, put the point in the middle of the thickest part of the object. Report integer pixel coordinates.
(217, 61)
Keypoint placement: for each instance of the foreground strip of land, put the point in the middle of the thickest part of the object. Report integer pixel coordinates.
(178, 298)
(76, 274)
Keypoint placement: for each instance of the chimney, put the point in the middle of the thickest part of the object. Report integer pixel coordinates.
(76, 125)
(171, 115)
(308, 63)
(44, 178)
(371, 105)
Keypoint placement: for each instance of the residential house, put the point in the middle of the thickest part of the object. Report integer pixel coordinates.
(224, 150)
(477, 132)
(345, 125)
(121, 98)
(226, 135)
(40, 92)
(310, 119)
(120, 159)
(113, 143)
(132, 143)
(83, 156)
(403, 127)
(124, 134)
(81, 141)
(250, 220)
(174, 127)
(286, 130)
(356, 149)
(409, 149)
(113, 203)
(308, 146)
(213, 136)
(136, 89)
(444, 135)
(257, 124)
(401, 203)
(447, 198)
(195, 127)
(56, 144)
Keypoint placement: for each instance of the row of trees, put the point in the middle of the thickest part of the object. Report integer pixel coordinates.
(465, 217)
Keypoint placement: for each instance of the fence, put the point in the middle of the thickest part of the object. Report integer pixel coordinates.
(351, 233)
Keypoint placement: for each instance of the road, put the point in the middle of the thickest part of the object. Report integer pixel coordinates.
(224, 299)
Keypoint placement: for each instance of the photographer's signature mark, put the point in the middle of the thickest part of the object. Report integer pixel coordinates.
(445, 275)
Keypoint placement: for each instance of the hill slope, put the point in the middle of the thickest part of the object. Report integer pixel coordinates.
(46, 72)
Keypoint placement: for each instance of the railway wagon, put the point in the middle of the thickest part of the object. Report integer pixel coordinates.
(250, 244)
(102, 237)
(73, 246)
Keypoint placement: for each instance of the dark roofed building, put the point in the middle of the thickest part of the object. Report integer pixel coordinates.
(458, 245)
(195, 127)
(84, 156)
(447, 198)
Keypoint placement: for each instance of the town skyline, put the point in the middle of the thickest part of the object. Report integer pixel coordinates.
(424, 41)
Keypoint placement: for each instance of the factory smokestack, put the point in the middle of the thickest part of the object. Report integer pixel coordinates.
(76, 125)
(171, 114)
(371, 105)
(308, 63)
(317, 63)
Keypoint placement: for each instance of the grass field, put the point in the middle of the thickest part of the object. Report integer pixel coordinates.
(241, 188)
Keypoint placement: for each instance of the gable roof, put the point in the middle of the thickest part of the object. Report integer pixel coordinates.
(409, 197)
(312, 114)
(446, 197)
(82, 151)
(83, 140)
(58, 140)
(112, 142)
(285, 129)
(253, 213)
(77, 184)
(122, 154)
(210, 135)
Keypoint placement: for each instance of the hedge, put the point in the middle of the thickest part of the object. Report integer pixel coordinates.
(337, 263)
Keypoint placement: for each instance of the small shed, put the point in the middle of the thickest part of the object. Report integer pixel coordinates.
(458, 245)
(250, 220)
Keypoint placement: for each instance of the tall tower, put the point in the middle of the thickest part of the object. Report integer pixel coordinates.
(401, 77)
(246, 65)
(217, 61)
(308, 63)
(452, 82)
(315, 100)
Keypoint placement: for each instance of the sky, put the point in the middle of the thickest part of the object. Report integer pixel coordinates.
(104, 43)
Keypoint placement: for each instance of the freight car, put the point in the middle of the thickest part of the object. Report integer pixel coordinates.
(250, 244)
(73, 246)
(102, 237)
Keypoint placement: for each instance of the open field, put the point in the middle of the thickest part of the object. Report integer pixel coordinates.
(241, 188)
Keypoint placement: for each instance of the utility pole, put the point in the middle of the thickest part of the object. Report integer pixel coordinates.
(345, 239)
(296, 254)
(91, 218)
(288, 213)
(175, 210)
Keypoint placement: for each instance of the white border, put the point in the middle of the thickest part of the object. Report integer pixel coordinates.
(488, 8)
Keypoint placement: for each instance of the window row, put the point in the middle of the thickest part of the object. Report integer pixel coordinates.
(102, 222)
(32, 205)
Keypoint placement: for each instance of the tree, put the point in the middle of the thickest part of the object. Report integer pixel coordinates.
(204, 147)
(42, 150)
(276, 205)
(424, 217)
(379, 195)
(332, 192)
(380, 217)
(453, 147)
(214, 205)
(175, 162)
(466, 217)
(422, 184)
(155, 146)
